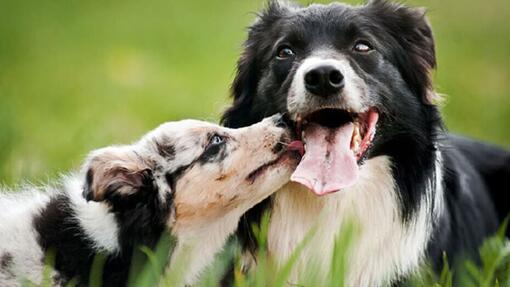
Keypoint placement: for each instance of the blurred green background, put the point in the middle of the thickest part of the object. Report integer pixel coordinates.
(77, 75)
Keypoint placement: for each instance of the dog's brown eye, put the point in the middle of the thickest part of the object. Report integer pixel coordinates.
(284, 52)
(362, 46)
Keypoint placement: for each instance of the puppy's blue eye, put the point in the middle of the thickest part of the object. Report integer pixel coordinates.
(284, 52)
(216, 140)
(213, 148)
(362, 46)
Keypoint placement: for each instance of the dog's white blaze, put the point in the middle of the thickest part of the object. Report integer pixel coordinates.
(384, 247)
(353, 93)
(96, 219)
(18, 237)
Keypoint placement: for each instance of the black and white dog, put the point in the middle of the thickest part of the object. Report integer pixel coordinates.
(356, 80)
(190, 178)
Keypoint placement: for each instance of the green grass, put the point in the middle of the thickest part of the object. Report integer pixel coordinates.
(77, 75)
(494, 269)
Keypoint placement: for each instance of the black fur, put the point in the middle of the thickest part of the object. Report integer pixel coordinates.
(59, 232)
(6, 261)
(410, 129)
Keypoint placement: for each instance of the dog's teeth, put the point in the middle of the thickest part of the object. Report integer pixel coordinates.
(302, 134)
(356, 139)
(356, 147)
(356, 133)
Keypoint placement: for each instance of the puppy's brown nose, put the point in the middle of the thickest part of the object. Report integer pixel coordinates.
(324, 81)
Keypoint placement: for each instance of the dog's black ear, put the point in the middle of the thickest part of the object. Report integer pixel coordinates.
(250, 63)
(115, 172)
(416, 57)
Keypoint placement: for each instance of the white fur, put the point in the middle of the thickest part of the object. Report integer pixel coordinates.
(384, 248)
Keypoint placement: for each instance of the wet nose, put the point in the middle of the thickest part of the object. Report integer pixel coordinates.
(324, 81)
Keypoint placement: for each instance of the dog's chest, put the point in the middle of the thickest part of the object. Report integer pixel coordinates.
(383, 247)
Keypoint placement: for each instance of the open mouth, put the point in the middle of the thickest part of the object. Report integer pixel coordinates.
(333, 142)
(332, 119)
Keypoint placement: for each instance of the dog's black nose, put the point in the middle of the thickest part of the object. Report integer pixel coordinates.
(324, 81)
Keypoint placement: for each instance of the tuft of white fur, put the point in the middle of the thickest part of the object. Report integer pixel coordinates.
(95, 218)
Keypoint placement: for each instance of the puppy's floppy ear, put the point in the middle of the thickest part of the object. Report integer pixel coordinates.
(252, 60)
(417, 57)
(115, 172)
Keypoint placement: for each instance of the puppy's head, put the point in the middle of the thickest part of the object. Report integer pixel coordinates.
(340, 71)
(196, 171)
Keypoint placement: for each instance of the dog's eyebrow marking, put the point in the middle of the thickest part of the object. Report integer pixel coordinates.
(165, 150)
(6, 261)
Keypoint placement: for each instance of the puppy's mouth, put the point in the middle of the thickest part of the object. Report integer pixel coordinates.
(332, 143)
(283, 156)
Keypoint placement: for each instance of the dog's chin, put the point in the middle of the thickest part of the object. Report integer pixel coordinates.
(332, 142)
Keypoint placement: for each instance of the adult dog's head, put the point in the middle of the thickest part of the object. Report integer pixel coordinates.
(342, 72)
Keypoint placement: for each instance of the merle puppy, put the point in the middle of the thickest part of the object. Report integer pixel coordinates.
(356, 81)
(191, 179)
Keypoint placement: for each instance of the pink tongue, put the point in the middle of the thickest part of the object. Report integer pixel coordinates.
(328, 164)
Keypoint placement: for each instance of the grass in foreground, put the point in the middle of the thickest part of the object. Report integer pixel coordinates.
(493, 269)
